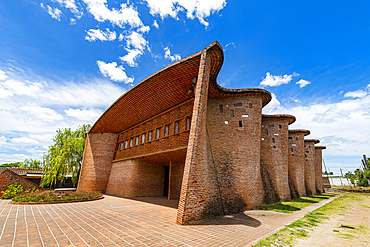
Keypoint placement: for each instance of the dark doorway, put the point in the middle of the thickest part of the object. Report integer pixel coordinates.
(166, 180)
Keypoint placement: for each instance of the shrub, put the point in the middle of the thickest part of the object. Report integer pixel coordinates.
(15, 190)
(50, 196)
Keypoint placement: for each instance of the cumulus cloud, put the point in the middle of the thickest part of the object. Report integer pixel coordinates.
(193, 8)
(97, 34)
(155, 24)
(114, 72)
(272, 105)
(84, 114)
(72, 21)
(127, 14)
(302, 83)
(356, 94)
(72, 6)
(46, 114)
(3, 76)
(277, 80)
(24, 140)
(3, 140)
(168, 55)
(135, 46)
(55, 13)
(20, 87)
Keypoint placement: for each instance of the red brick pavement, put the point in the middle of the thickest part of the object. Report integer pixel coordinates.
(115, 221)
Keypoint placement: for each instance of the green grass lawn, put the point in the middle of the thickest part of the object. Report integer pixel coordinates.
(301, 228)
(296, 204)
(51, 196)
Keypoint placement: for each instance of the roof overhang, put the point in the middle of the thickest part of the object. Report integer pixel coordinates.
(290, 118)
(305, 132)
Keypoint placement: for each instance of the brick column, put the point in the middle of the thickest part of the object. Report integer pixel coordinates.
(97, 162)
(296, 162)
(309, 168)
(318, 169)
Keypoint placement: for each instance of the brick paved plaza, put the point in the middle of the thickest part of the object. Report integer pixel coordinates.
(115, 221)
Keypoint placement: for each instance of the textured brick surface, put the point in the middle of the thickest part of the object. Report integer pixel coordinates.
(97, 162)
(296, 163)
(274, 157)
(309, 168)
(318, 169)
(7, 177)
(176, 175)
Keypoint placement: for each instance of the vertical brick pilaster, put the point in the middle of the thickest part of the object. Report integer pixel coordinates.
(318, 169)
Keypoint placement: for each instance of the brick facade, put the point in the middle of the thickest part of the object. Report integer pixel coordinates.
(296, 162)
(318, 169)
(274, 157)
(181, 135)
(309, 167)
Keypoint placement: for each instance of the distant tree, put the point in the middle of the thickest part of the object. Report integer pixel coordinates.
(33, 164)
(327, 173)
(352, 177)
(16, 164)
(64, 157)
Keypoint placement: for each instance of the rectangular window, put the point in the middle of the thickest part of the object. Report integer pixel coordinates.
(121, 146)
(290, 137)
(240, 124)
(176, 127)
(232, 113)
(221, 109)
(307, 151)
(157, 133)
(187, 123)
(137, 140)
(279, 126)
(250, 105)
(150, 136)
(126, 144)
(273, 140)
(267, 132)
(246, 115)
(131, 142)
(270, 125)
(292, 154)
(143, 138)
(291, 149)
(296, 138)
(238, 104)
(166, 128)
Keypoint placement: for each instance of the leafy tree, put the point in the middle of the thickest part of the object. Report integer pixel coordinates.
(65, 156)
(327, 173)
(16, 164)
(352, 177)
(33, 164)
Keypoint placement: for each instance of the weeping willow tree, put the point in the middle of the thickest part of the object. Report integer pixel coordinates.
(65, 156)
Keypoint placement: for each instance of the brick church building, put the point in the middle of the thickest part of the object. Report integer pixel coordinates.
(181, 135)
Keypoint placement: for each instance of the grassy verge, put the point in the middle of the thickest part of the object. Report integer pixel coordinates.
(296, 204)
(51, 196)
(302, 227)
(350, 188)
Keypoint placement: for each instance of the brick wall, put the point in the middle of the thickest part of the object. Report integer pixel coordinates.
(318, 169)
(176, 175)
(309, 168)
(164, 143)
(8, 177)
(274, 158)
(134, 178)
(296, 163)
(97, 162)
(236, 150)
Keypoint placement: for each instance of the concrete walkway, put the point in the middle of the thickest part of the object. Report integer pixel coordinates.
(117, 221)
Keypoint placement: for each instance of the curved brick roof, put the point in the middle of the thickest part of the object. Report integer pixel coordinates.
(312, 140)
(305, 132)
(320, 147)
(291, 118)
(165, 89)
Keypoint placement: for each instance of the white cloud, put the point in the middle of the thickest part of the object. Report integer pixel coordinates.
(114, 72)
(72, 21)
(84, 114)
(125, 15)
(167, 55)
(3, 76)
(55, 13)
(21, 88)
(277, 80)
(135, 46)
(193, 8)
(97, 34)
(3, 140)
(35, 111)
(302, 83)
(356, 94)
(155, 24)
(272, 105)
(24, 140)
(71, 5)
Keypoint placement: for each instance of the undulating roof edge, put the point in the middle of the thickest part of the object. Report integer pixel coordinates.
(291, 118)
(216, 90)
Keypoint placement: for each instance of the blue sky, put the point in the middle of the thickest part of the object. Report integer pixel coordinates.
(63, 62)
